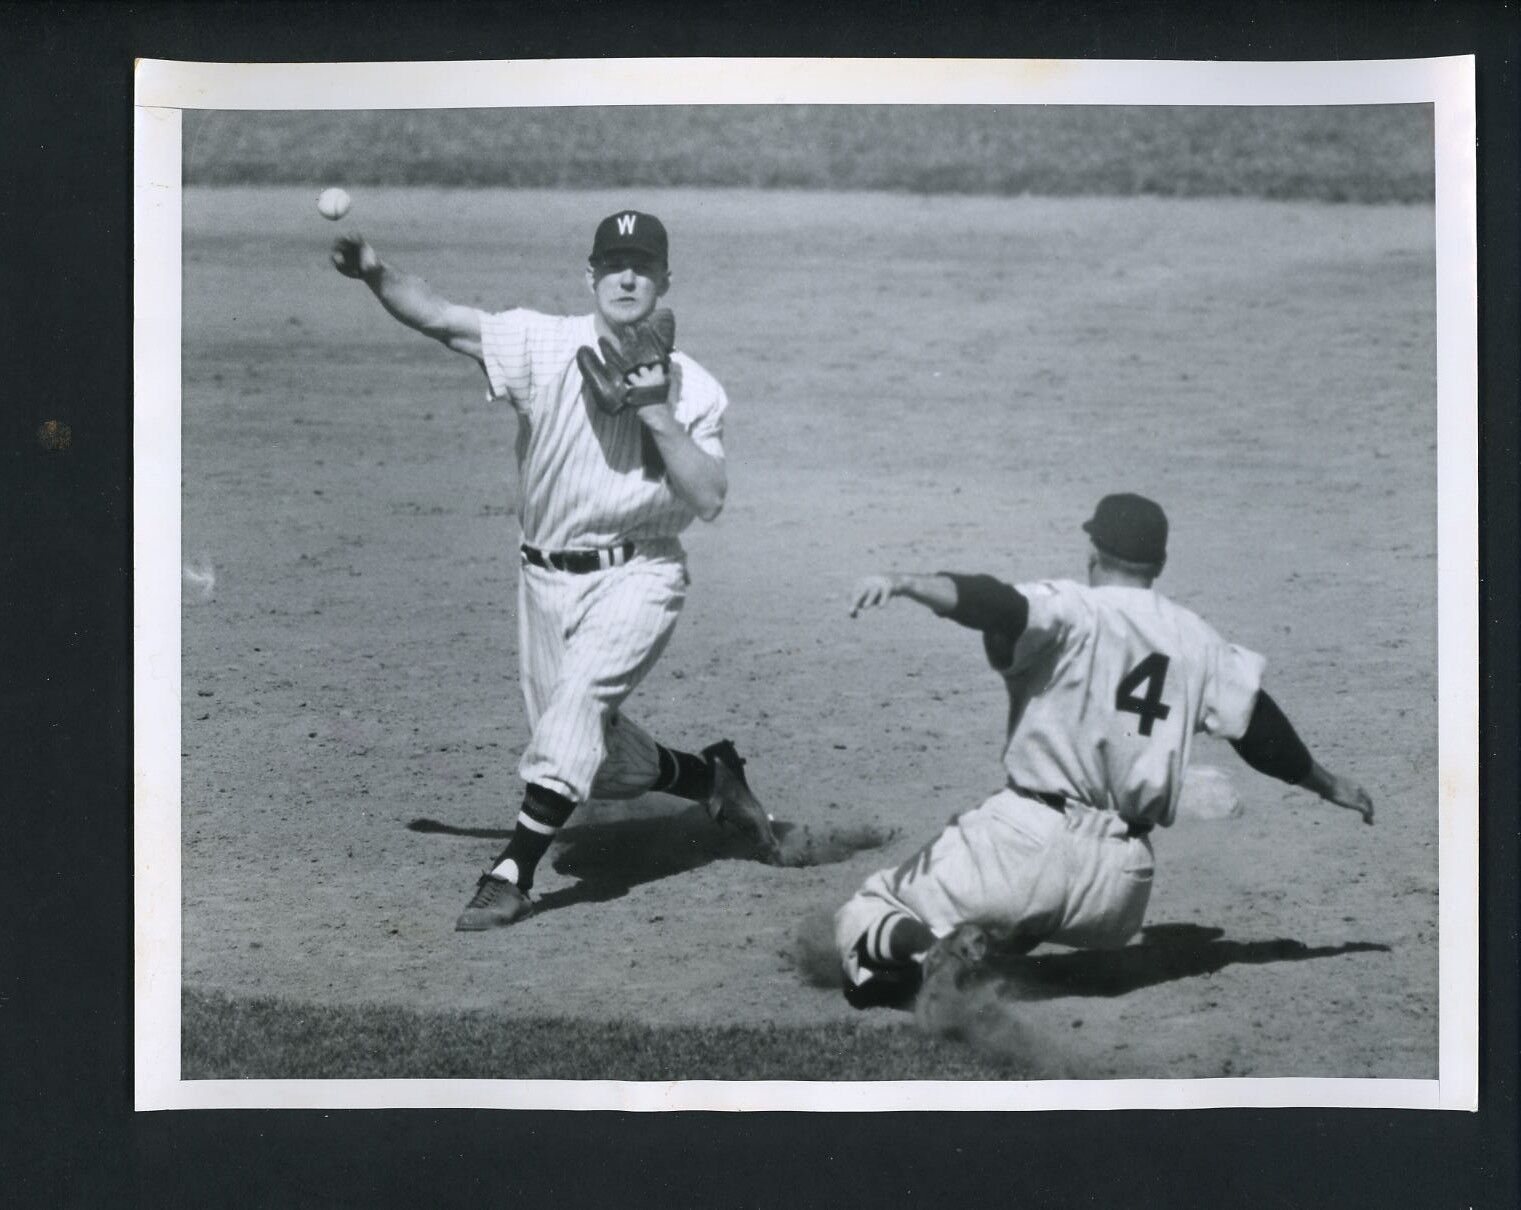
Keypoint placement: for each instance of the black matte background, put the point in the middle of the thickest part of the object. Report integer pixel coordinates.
(68, 1136)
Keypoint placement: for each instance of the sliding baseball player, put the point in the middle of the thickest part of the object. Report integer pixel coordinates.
(1108, 683)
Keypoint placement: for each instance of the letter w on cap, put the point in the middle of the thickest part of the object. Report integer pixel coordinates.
(626, 224)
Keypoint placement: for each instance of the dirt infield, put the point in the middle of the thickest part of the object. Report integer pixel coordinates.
(918, 383)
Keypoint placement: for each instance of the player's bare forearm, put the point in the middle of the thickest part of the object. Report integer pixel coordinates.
(936, 592)
(1272, 747)
(694, 474)
(409, 298)
(1339, 791)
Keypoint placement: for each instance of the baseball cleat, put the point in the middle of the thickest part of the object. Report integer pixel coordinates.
(495, 904)
(733, 803)
(965, 947)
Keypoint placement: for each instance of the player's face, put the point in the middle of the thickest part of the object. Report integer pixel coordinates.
(626, 287)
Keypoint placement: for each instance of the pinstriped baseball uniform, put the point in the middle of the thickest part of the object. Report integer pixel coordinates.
(1107, 688)
(583, 484)
(586, 640)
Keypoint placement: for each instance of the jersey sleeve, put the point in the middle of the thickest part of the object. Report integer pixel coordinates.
(707, 424)
(1054, 612)
(506, 343)
(1232, 681)
(999, 648)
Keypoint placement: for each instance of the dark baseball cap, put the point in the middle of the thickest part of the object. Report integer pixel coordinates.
(1129, 527)
(630, 231)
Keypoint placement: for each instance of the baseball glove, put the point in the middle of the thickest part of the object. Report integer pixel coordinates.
(646, 343)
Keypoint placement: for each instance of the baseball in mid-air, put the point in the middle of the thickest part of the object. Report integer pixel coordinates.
(333, 203)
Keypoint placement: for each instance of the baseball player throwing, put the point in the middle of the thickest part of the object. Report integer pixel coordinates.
(1108, 683)
(620, 446)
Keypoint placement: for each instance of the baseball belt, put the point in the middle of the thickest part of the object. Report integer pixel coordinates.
(1058, 802)
(578, 562)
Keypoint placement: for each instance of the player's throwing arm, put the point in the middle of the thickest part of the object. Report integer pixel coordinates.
(620, 449)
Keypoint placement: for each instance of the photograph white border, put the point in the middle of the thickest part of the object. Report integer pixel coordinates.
(164, 89)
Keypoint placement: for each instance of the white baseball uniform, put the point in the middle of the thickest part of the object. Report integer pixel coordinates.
(586, 640)
(1107, 687)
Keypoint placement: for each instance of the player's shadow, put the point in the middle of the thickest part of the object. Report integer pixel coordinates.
(1164, 953)
(609, 859)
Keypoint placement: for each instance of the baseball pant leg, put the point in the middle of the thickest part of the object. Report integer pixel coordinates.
(999, 865)
(632, 763)
(545, 600)
(1110, 884)
(614, 634)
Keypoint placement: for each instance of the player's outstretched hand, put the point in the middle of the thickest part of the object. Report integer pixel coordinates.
(353, 256)
(1352, 796)
(870, 591)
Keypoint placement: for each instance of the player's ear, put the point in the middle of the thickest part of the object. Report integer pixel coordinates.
(591, 280)
(663, 284)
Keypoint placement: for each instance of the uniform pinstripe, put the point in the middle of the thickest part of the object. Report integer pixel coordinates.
(583, 483)
(603, 500)
(587, 640)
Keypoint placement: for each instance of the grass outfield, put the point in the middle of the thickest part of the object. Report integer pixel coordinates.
(225, 1037)
(1344, 153)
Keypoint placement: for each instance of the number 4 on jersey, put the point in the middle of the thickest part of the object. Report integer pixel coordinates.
(1151, 672)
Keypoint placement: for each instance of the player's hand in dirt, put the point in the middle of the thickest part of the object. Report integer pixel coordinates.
(353, 256)
(871, 591)
(1352, 796)
(1338, 790)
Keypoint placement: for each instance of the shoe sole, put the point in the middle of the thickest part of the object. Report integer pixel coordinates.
(482, 920)
(755, 822)
(973, 948)
(758, 832)
(485, 926)
(969, 953)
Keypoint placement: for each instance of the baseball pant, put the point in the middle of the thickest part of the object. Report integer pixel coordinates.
(1020, 868)
(585, 642)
